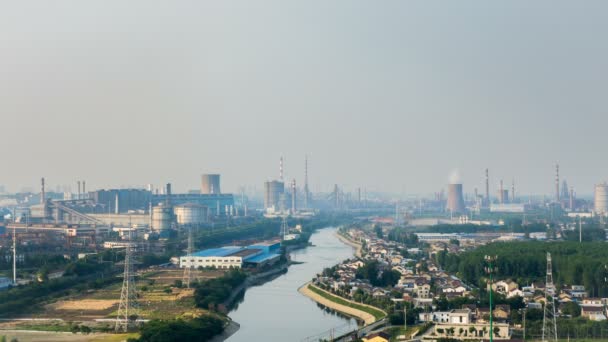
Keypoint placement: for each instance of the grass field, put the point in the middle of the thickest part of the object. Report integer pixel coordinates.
(157, 299)
(378, 315)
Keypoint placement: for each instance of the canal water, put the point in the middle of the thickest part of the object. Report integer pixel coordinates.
(276, 311)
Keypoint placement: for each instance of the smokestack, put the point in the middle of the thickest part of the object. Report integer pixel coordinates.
(116, 205)
(42, 192)
(306, 190)
(84, 189)
(78, 190)
(455, 199)
(293, 197)
(168, 196)
(571, 198)
(281, 169)
(501, 194)
(513, 192)
(487, 187)
(557, 183)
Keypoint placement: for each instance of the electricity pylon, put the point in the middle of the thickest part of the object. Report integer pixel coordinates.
(128, 307)
(549, 320)
(188, 277)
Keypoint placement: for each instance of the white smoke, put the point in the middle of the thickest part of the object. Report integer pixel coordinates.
(455, 177)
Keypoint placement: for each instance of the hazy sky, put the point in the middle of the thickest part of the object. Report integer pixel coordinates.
(388, 95)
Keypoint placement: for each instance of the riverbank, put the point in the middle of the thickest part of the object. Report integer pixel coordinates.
(357, 246)
(364, 316)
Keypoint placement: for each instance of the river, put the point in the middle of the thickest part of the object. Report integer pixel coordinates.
(276, 311)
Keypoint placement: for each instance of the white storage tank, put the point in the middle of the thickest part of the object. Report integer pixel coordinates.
(161, 217)
(190, 214)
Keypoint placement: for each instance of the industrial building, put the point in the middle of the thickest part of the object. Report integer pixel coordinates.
(122, 200)
(509, 208)
(210, 184)
(274, 192)
(601, 199)
(218, 204)
(233, 256)
(455, 199)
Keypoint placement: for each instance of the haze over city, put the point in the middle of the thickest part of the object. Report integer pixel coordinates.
(391, 97)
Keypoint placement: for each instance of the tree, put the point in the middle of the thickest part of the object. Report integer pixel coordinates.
(572, 309)
(378, 231)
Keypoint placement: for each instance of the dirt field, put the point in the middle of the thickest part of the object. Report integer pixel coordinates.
(44, 336)
(84, 304)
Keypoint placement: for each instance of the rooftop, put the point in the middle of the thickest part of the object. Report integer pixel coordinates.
(218, 252)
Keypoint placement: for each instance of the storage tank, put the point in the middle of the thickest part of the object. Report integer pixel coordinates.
(210, 184)
(272, 194)
(161, 217)
(190, 214)
(455, 198)
(601, 199)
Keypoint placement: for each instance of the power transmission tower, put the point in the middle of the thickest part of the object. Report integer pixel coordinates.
(128, 307)
(549, 320)
(284, 228)
(188, 276)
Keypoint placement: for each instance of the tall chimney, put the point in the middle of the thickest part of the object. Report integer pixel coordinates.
(571, 198)
(84, 189)
(513, 192)
(501, 195)
(116, 205)
(281, 169)
(293, 197)
(168, 194)
(557, 183)
(487, 187)
(42, 192)
(78, 190)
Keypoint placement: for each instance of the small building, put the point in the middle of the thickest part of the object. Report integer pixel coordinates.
(377, 337)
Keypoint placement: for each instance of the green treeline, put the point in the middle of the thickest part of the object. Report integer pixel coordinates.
(525, 262)
(197, 329)
(514, 226)
(211, 293)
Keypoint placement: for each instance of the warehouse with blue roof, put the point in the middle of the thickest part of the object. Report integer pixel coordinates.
(234, 256)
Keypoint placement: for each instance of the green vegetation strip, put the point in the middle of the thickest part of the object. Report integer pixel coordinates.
(378, 315)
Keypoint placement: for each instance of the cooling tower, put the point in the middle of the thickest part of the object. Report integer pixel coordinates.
(601, 199)
(210, 184)
(455, 198)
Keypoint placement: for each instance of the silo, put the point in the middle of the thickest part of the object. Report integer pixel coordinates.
(190, 214)
(272, 194)
(455, 198)
(601, 199)
(210, 184)
(161, 217)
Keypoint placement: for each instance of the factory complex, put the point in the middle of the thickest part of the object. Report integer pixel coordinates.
(234, 256)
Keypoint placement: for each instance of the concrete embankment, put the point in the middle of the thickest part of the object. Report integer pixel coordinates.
(351, 243)
(347, 310)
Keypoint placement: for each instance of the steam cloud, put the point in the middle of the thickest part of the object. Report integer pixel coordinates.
(455, 177)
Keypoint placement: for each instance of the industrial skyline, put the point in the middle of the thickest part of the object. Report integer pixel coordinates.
(387, 107)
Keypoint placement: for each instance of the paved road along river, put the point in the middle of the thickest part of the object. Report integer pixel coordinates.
(275, 311)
